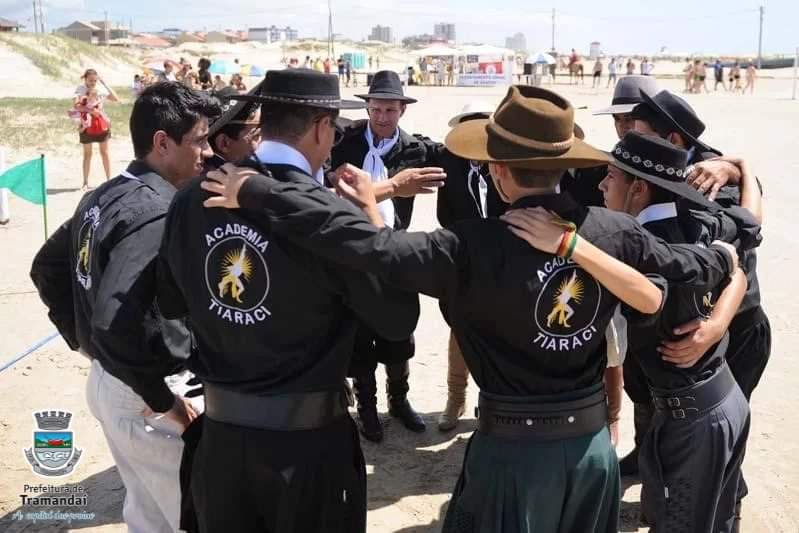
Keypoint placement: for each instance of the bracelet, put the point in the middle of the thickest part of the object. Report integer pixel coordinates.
(564, 243)
(572, 246)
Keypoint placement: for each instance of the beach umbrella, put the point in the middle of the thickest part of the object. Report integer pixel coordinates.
(541, 58)
(223, 67)
(252, 70)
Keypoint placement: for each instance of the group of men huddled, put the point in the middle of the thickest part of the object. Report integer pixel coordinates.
(286, 267)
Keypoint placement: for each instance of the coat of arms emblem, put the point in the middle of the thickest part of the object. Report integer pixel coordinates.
(53, 453)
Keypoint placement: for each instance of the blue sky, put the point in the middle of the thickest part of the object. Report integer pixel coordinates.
(709, 26)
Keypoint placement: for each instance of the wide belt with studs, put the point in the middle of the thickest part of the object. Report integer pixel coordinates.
(525, 417)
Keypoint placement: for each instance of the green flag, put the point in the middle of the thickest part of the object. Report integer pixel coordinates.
(26, 180)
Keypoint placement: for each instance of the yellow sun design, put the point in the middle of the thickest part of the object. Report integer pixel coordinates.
(572, 288)
(240, 259)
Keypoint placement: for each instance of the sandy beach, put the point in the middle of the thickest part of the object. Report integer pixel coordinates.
(411, 475)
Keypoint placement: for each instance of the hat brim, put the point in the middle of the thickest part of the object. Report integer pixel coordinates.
(387, 96)
(470, 140)
(231, 113)
(618, 109)
(680, 188)
(320, 103)
(454, 121)
(650, 102)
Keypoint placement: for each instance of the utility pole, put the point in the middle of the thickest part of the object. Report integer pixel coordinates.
(41, 17)
(553, 29)
(330, 48)
(105, 32)
(35, 19)
(760, 40)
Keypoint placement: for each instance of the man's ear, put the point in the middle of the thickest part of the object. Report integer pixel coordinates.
(403, 107)
(161, 142)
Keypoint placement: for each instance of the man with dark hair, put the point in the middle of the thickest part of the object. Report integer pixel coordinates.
(393, 158)
(275, 327)
(97, 277)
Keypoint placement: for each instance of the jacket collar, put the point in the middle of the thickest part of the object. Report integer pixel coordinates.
(144, 173)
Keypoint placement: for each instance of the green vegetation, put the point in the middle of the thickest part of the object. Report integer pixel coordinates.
(56, 55)
(43, 122)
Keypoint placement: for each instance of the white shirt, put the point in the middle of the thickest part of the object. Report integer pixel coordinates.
(278, 153)
(655, 212)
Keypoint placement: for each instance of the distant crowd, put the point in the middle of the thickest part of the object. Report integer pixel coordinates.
(183, 72)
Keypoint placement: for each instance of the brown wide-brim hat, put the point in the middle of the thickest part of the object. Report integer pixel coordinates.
(532, 128)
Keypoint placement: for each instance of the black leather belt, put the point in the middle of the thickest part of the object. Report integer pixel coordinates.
(693, 401)
(279, 412)
(525, 418)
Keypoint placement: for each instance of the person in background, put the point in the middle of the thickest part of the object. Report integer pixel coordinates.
(138, 85)
(204, 75)
(630, 67)
(348, 69)
(751, 76)
(597, 73)
(718, 75)
(168, 74)
(219, 83)
(688, 72)
(90, 79)
(613, 67)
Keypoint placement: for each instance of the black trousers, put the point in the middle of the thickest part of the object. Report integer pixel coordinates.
(261, 481)
(691, 468)
(749, 352)
(747, 356)
(371, 349)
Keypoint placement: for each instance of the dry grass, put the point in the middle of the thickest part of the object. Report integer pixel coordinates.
(43, 124)
(57, 56)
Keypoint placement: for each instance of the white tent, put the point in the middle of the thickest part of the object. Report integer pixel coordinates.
(436, 51)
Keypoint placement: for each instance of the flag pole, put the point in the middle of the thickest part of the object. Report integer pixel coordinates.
(44, 197)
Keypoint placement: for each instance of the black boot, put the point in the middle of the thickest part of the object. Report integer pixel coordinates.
(365, 388)
(398, 405)
(642, 418)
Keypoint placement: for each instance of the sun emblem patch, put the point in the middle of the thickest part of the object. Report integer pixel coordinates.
(566, 308)
(236, 274)
(85, 240)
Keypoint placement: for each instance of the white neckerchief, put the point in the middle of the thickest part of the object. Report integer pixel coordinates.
(482, 186)
(278, 153)
(656, 212)
(373, 164)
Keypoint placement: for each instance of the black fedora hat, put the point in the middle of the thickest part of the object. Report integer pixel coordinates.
(301, 86)
(627, 94)
(386, 85)
(232, 109)
(677, 114)
(659, 162)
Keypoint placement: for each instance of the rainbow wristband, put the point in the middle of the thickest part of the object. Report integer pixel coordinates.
(572, 246)
(564, 243)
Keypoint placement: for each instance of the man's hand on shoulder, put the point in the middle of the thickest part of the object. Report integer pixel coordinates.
(225, 183)
(709, 176)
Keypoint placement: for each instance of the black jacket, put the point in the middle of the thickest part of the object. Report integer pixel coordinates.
(411, 151)
(97, 276)
(500, 296)
(268, 317)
